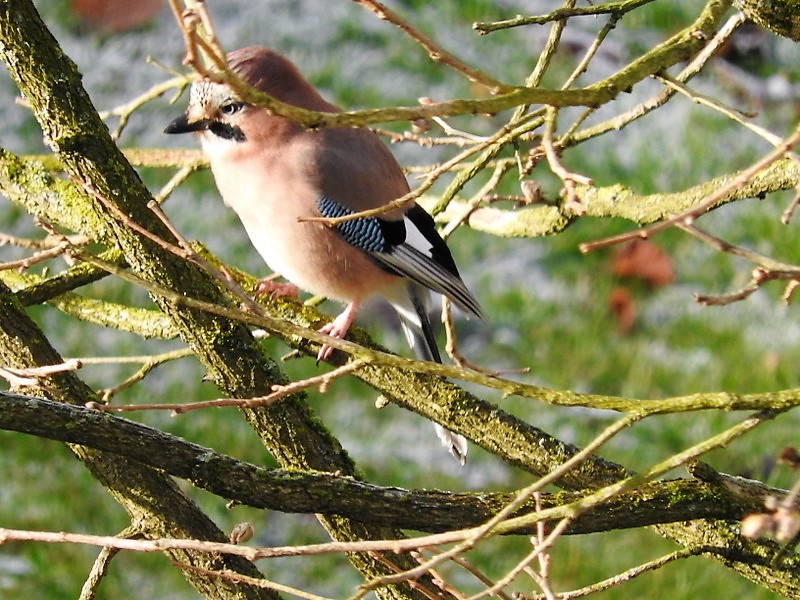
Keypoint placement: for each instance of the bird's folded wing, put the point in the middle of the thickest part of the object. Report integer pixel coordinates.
(410, 247)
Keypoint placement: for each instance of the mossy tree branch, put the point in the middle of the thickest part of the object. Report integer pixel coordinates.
(51, 84)
(237, 364)
(151, 498)
(670, 52)
(315, 492)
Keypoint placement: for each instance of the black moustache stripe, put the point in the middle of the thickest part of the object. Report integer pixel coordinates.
(227, 132)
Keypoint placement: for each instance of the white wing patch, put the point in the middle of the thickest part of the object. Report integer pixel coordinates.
(416, 239)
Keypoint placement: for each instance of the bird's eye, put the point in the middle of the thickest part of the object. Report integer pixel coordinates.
(231, 108)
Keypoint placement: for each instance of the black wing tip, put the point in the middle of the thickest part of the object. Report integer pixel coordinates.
(471, 306)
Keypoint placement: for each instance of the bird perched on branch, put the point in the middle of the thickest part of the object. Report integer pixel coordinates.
(274, 174)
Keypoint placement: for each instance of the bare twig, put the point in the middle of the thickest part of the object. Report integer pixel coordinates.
(30, 377)
(743, 120)
(125, 111)
(280, 391)
(501, 167)
(451, 345)
(542, 577)
(37, 257)
(541, 543)
(644, 108)
(548, 52)
(768, 269)
(436, 53)
(149, 363)
(182, 249)
(562, 14)
(52, 246)
(102, 564)
(250, 553)
(630, 574)
(174, 182)
(592, 50)
(498, 523)
(262, 583)
(572, 203)
(732, 113)
(48, 243)
(689, 216)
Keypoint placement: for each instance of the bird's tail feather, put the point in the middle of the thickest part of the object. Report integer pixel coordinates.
(419, 334)
(454, 443)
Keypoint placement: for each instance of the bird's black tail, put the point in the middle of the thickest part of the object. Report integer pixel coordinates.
(422, 341)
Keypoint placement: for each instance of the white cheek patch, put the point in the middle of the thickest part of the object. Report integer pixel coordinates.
(217, 148)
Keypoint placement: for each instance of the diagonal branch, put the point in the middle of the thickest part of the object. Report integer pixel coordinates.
(52, 85)
(314, 492)
(674, 50)
(436, 53)
(152, 499)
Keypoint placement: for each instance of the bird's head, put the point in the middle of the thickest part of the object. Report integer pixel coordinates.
(217, 113)
(213, 111)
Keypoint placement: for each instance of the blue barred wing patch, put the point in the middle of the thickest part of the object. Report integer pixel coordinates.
(365, 234)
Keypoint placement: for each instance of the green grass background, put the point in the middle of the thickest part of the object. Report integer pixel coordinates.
(547, 303)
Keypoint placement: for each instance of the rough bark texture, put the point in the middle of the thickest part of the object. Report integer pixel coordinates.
(51, 84)
(155, 504)
(106, 184)
(306, 492)
(780, 16)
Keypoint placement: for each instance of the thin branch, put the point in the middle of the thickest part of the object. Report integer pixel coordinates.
(281, 391)
(542, 577)
(31, 289)
(679, 47)
(150, 364)
(125, 111)
(182, 249)
(472, 570)
(499, 522)
(547, 53)
(768, 269)
(174, 182)
(250, 553)
(48, 243)
(262, 583)
(767, 263)
(693, 68)
(451, 344)
(717, 441)
(732, 113)
(780, 400)
(42, 255)
(616, 9)
(743, 120)
(102, 563)
(508, 134)
(631, 573)
(464, 211)
(435, 52)
(592, 50)
(540, 546)
(21, 378)
(690, 215)
(570, 180)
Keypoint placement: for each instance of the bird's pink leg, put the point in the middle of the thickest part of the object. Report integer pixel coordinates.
(338, 328)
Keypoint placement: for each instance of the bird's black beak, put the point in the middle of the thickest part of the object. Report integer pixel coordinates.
(183, 125)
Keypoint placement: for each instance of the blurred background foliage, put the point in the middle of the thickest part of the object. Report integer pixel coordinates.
(551, 308)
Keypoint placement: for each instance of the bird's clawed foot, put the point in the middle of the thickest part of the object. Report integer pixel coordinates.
(275, 290)
(337, 328)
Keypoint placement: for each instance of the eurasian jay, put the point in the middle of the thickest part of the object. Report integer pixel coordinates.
(274, 173)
